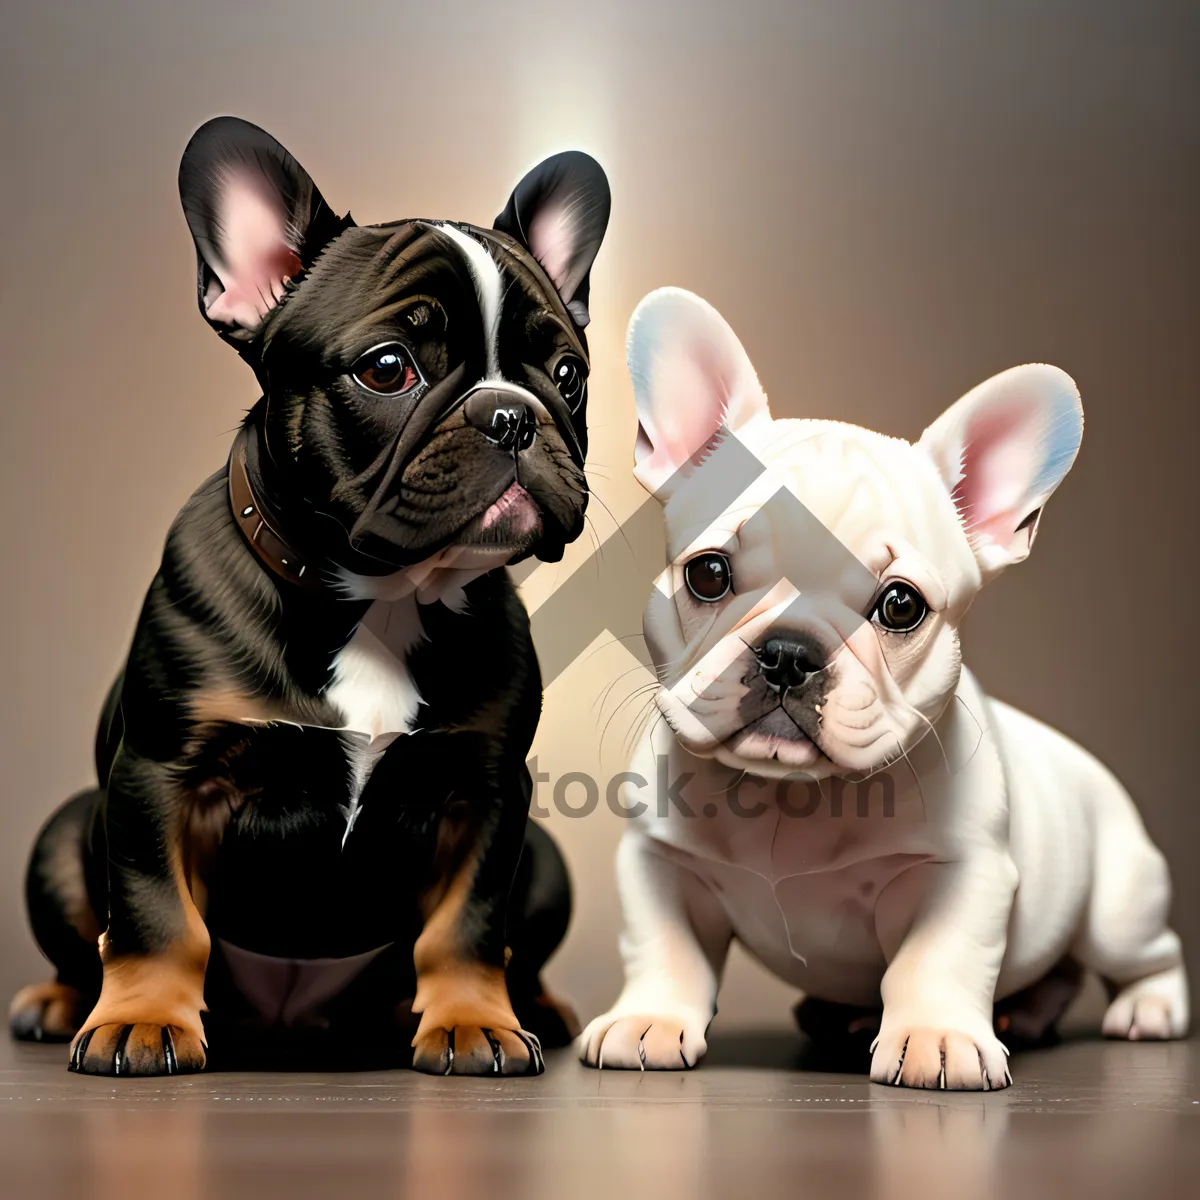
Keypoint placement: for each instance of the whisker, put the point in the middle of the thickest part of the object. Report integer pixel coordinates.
(979, 740)
(634, 695)
(603, 697)
(649, 720)
(620, 529)
(923, 717)
(617, 639)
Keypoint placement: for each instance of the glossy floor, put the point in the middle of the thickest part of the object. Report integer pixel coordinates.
(1087, 1118)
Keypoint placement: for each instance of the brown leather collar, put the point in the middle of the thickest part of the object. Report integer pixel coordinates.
(272, 550)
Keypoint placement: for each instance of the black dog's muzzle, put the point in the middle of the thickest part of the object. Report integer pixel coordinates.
(500, 412)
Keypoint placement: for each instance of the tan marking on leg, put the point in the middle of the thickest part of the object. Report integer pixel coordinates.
(453, 988)
(166, 988)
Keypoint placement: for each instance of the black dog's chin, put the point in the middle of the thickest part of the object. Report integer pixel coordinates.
(513, 522)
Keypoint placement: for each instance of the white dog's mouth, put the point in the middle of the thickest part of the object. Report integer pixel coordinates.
(775, 736)
(745, 712)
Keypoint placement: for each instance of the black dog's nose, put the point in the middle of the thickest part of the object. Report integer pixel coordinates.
(787, 662)
(501, 418)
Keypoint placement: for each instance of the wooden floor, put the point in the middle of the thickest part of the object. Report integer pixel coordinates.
(1087, 1118)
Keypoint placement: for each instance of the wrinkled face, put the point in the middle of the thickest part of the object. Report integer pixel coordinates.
(813, 625)
(808, 621)
(428, 388)
(425, 382)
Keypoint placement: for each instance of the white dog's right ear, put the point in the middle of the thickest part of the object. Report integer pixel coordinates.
(1001, 451)
(691, 380)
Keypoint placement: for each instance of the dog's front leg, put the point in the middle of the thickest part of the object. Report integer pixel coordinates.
(942, 927)
(155, 947)
(674, 941)
(467, 1024)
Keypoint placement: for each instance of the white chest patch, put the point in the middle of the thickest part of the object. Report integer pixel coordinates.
(374, 691)
(371, 685)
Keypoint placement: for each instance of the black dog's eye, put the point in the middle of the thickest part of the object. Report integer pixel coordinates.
(570, 377)
(709, 576)
(386, 370)
(900, 609)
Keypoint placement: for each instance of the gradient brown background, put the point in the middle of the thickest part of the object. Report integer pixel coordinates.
(889, 201)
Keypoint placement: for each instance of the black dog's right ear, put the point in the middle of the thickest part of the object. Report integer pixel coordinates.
(257, 220)
(559, 212)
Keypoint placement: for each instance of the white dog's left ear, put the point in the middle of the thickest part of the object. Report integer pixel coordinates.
(691, 379)
(1001, 451)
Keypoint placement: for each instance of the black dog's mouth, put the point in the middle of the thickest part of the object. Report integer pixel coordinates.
(461, 490)
(512, 521)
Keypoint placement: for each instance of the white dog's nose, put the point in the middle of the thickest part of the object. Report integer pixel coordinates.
(787, 662)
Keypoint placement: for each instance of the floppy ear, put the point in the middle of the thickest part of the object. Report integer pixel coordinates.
(559, 213)
(1001, 451)
(692, 381)
(257, 220)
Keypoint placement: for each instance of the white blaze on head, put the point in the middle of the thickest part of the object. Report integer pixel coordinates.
(488, 287)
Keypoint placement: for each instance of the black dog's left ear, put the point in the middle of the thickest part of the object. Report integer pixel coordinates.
(559, 212)
(257, 220)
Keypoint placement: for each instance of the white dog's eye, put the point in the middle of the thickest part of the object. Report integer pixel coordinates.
(709, 576)
(900, 609)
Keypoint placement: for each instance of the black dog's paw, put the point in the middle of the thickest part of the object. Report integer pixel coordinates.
(45, 1012)
(137, 1050)
(473, 1050)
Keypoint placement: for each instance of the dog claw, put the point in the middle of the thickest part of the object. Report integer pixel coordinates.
(987, 1079)
(641, 1047)
(79, 1051)
(168, 1044)
(121, 1050)
(900, 1064)
(537, 1064)
(497, 1052)
(477, 1050)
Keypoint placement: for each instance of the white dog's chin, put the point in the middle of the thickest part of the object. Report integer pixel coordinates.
(774, 747)
(771, 747)
(774, 738)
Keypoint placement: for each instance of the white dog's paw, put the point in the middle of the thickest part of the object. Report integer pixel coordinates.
(1139, 1018)
(1150, 1009)
(939, 1058)
(642, 1043)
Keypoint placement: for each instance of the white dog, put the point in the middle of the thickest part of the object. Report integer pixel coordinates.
(844, 799)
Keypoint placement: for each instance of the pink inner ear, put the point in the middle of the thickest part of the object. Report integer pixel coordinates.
(257, 253)
(691, 389)
(1001, 453)
(551, 240)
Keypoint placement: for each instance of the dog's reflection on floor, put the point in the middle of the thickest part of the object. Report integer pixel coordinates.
(1096, 1120)
(937, 1150)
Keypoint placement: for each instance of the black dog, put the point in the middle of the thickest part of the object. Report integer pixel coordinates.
(313, 803)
